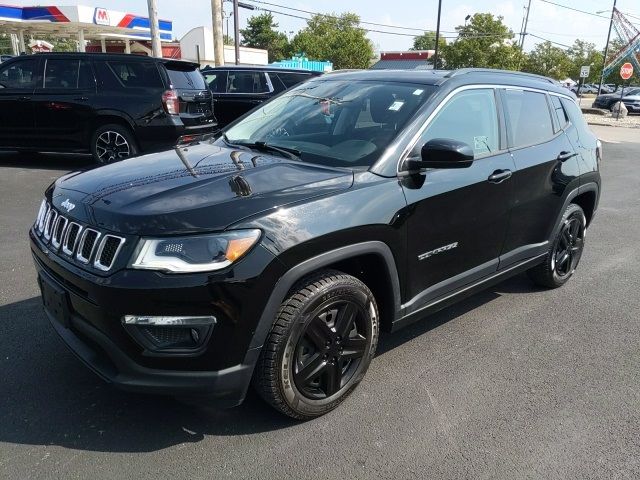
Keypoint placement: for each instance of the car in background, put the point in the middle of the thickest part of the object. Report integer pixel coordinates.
(238, 89)
(113, 106)
(607, 101)
(632, 102)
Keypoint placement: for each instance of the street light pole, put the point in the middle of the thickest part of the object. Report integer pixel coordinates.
(435, 54)
(606, 48)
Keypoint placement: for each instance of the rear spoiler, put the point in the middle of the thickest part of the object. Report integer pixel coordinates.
(180, 64)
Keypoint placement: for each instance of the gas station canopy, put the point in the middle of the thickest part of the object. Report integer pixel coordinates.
(78, 21)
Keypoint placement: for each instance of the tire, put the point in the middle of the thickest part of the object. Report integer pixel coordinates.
(565, 251)
(111, 143)
(312, 358)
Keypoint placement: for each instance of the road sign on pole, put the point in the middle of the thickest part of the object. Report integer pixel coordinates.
(626, 71)
(584, 71)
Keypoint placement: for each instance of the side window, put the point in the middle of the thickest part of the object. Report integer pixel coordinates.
(61, 73)
(470, 117)
(561, 115)
(136, 74)
(20, 74)
(528, 118)
(576, 118)
(217, 80)
(290, 79)
(247, 82)
(85, 76)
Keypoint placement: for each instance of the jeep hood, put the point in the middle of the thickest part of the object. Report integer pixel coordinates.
(192, 189)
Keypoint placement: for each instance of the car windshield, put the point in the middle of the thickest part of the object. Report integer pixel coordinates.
(333, 122)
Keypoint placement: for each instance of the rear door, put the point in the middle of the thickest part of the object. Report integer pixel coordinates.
(18, 80)
(244, 90)
(546, 167)
(63, 103)
(196, 103)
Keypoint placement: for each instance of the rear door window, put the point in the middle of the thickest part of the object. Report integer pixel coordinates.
(186, 79)
(61, 73)
(528, 118)
(247, 82)
(21, 74)
(217, 80)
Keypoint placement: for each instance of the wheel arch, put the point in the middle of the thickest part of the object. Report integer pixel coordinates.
(381, 277)
(587, 195)
(107, 117)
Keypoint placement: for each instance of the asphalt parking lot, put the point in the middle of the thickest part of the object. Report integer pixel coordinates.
(515, 382)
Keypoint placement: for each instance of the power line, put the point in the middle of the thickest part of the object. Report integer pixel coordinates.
(550, 41)
(575, 9)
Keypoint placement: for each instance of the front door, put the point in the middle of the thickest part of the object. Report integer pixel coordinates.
(63, 103)
(18, 80)
(458, 217)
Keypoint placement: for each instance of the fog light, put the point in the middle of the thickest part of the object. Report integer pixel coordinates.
(170, 335)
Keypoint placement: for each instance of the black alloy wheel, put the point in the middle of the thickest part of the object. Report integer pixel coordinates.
(320, 346)
(330, 349)
(564, 252)
(112, 143)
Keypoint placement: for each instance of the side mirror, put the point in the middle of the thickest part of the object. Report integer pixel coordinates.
(442, 153)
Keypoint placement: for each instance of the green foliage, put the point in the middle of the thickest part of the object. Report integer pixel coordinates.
(335, 38)
(5, 45)
(427, 41)
(227, 40)
(261, 33)
(549, 60)
(585, 53)
(484, 42)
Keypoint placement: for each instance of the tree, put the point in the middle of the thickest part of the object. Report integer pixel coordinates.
(227, 40)
(261, 33)
(546, 59)
(585, 53)
(335, 38)
(427, 41)
(484, 42)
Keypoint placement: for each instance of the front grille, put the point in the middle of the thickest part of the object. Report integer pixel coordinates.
(71, 238)
(87, 244)
(76, 241)
(107, 252)
(58, 230)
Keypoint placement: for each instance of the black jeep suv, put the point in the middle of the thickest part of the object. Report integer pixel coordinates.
(110, 105)
(275, 252)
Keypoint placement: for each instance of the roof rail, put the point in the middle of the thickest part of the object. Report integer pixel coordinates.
(463, 71)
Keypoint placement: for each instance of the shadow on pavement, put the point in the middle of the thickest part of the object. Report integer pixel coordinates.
(46, 161)
(50, 398)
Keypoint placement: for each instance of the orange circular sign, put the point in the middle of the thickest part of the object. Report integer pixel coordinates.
(626, 71)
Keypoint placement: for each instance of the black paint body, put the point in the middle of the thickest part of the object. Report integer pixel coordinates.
(373, 223)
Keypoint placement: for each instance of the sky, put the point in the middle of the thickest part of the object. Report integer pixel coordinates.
(550, 22)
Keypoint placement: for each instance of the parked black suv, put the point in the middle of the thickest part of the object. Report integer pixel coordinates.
(238, 89)
(355, 203)
(113, 106)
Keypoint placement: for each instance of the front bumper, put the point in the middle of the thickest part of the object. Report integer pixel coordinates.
(90, 325)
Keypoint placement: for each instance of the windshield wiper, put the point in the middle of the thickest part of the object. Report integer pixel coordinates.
(291, 153)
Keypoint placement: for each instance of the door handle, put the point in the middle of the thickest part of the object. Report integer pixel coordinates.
(81, 99)
(500, 176)
(564, 156)
(24, 99)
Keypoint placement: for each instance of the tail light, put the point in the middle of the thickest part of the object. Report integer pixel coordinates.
(171, 102)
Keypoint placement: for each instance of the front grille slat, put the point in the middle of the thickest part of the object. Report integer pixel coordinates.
(85, 245)
(71, 238)
(107, 252)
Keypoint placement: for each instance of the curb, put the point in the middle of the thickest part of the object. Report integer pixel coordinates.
(602, 124)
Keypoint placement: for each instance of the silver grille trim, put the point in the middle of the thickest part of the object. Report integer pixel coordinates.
(42, 212)
(66, 248)
(97, 263)
(59, 227)
(49, 223)
(83, 239)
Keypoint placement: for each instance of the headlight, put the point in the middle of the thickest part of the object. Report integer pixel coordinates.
(201, 253)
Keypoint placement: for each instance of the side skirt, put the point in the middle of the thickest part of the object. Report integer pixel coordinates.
(466, 291)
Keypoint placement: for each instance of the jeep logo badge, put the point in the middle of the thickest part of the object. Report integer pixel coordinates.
(67, 205)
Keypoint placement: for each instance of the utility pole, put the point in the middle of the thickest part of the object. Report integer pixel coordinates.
(435, 54)
(606, 50)
(524, 30)
(236, 31)
(218, 43)
(156, 48)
